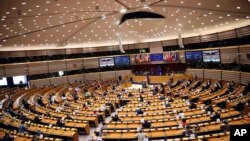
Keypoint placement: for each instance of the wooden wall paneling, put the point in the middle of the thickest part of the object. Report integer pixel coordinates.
(131, 46)
(38, 67)
(198, 72)
(91, 63)
(105, 48)
(245, 77)
(123, 73)
(16, 69)
(56, 52)
(172, 42)
(155, 47)
(244, 31)
(125, 47)
(108, 75)
(11, 54)
(59, 80)
(77, 77)
(227, 35)
(229, 55)
(2, 71)
(40, 82)
(36, 52)
(92, 76)
(142, 45)
(89, 50)
(245, 54)
(74, 64)
(73, 50)
(191, 40)
(212, 74)
(55, 66)
(209, 37)
(231, 76)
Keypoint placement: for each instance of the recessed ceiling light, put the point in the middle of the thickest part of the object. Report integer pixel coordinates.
(23, 3)
(199, 3)
(123, 10)
(237, 7)
(218, 5)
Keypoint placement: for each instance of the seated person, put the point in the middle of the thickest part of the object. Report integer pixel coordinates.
(130, 94)
(146, 124)
(36, 119)
(22, 127)
(215, 116)
(240, 106)
(115, 118)
(138, 111)
(68, 116)
(184, 122)
(192, 105)
(209, 108)
(7, 137)
(141, 136)
(188, 131)
(59, 123)
(225, 126)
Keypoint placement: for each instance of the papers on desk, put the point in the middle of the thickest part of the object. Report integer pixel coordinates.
(145, 139)
(192, 136)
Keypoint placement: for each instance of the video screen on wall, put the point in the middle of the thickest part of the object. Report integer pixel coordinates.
(104, 62)
(142, 58)
(193, 56)
(22, 79)
(171, 56)
(122, 60)
(156, 57)
(211, 56)
(3, 81)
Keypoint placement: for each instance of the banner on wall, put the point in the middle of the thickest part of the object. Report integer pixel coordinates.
(171, 56)
(142, 58)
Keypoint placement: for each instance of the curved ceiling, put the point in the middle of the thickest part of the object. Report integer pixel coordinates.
(43, 24)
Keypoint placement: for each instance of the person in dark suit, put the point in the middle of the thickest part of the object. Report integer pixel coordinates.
(209, 108)
(139, 111)
(59, 123)
(192, 105)
(215, 116)
(115, 118)
(146, 124)
(7, 137)
(37, 120)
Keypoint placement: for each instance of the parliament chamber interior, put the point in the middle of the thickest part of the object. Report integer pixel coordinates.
(124, 70)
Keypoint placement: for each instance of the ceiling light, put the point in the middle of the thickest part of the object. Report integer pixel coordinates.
(23, 3)
(123, 10)
(237, 7)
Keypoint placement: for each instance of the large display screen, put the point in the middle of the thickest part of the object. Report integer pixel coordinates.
(142, 58)
(18, 80)
(3, 81)
(193, 56)
(156, 57)
(122, 60)
(211, 56)
(104, 62)
(171, 56)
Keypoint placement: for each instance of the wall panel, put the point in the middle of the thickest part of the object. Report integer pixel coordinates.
(209, 38)
(56, 52)
(2, 74)
(55, 66)
(123, 73)
(212, 74)
(73, 50)
(7, 54)
(229, 55)
(108, 75)
(142, 45)
(197, 72)
(36, 52)
(74, 64)
(182, 56)
(169, 42)
(59, 80)
(92, 76)
(245, 77)
(38, 68)
(192, 40)
(106, 48)
(227, 35)
(89, 50)
(231, 76)
(245, 54)
(40, 82)
(77, 77)
(16, 69)
(91, 63)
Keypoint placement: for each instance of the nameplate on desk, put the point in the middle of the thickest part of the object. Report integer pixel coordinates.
(239, 132)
